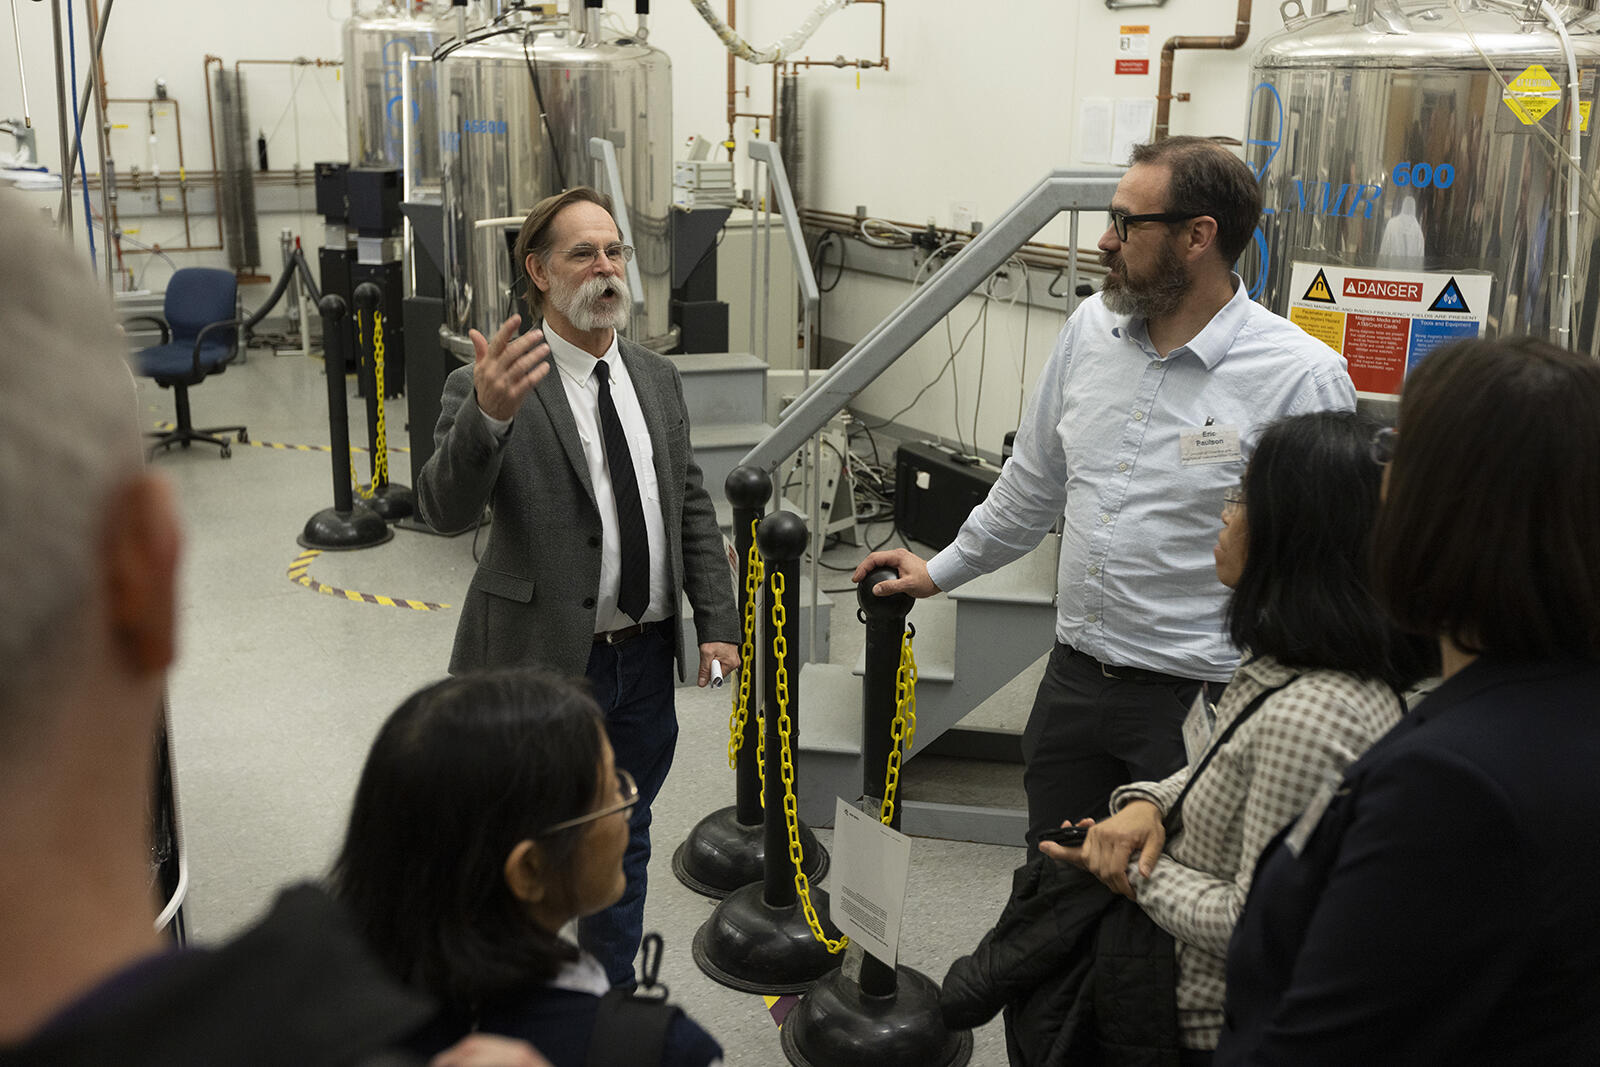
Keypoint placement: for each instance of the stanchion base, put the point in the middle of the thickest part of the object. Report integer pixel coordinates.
(721, 854)
(752, 947)
(837, 1024)
(337, 531)
(393, 501)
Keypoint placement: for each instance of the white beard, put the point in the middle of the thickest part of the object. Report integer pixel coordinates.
(582, 305)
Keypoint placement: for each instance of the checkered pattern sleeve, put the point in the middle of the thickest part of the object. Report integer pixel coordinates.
(1300, 737)
(1162, 794)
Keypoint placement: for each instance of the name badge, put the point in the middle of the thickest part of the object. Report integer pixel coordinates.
(1209, 444)
(1197, 727)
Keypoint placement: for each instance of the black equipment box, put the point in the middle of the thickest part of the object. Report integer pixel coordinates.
(934, 491)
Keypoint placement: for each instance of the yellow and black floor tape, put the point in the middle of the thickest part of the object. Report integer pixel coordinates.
(299, 574)
(164, 426)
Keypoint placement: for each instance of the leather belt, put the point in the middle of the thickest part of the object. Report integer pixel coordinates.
(627, 633)
(1133, 674)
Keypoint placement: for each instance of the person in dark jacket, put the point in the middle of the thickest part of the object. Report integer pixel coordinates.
(1439, 905)
(489, 815)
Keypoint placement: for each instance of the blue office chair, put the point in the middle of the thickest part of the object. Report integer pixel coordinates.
(199, 337)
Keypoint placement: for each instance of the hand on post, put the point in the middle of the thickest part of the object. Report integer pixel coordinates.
(505, 368)
(914, 578)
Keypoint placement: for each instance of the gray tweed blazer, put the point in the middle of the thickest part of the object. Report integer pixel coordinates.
(532, 598)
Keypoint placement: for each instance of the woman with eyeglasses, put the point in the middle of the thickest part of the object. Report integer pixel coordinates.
(1321, 679)
(490, 815)
(1442, 905)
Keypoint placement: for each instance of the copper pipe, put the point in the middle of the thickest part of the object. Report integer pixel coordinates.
(1164, 96)
(1033, 253)
(859, 64)
(149, 102)
(732, 91)
(302, 61)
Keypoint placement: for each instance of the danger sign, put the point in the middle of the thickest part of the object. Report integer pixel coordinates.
(1382, 289)
(1384, 322)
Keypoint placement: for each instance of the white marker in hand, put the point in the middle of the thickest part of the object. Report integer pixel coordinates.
(716, 674)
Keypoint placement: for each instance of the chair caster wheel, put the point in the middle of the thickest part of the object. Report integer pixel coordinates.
(226, 451)
(243, 438)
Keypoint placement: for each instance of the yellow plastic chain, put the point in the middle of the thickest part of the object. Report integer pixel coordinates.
(364, 492)
(380, 457)
(904, 727)
(791, 807)
(753, 576)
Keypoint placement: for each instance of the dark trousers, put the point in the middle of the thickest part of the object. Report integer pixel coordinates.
(1089, 733)
(633, 683)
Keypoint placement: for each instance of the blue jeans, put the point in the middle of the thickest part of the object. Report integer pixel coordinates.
(633, 683)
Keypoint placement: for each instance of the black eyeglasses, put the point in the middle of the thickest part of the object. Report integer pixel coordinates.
(627, 790)
(1120, 219)
(1382, 447)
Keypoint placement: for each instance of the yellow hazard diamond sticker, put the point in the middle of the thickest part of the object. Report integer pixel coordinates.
(1532, 94)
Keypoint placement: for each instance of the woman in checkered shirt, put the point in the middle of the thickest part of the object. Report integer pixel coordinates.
(1320, 681)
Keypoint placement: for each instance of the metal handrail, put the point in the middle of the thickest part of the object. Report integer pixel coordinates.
(608, 176)
(767, 152)
(1062, 190)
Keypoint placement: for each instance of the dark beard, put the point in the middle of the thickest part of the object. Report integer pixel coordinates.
(1160, 293)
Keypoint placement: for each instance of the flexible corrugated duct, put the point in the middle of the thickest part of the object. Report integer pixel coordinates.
(792, 134)
(774, 52)
(238, 208)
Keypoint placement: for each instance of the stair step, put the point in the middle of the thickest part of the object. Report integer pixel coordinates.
(934, 644)
(1029, 580)
(728, 435)
(832, 719)
(722, 387)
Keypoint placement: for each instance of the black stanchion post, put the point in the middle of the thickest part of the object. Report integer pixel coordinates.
(725, 849)
(760, 938)
(389, 499)
(347, 524)
(885, 619)
(889, 1016)
(776, 541)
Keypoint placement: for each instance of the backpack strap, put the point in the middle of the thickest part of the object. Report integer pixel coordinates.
(629, 1030)
(630, 1025)
(1173, 822)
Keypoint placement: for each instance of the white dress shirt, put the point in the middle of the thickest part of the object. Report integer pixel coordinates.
(576, 368)
(1103, 442)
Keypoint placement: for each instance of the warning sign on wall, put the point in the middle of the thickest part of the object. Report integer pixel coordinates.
(1384, 322)
(1133, 50)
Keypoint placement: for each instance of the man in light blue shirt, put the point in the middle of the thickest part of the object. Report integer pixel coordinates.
(1147, 411)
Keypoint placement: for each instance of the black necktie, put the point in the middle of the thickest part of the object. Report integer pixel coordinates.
(633, 593)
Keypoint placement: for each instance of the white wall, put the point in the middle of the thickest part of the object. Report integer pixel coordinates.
(979, 102)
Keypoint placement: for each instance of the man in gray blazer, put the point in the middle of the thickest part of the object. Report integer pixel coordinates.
(580, 441)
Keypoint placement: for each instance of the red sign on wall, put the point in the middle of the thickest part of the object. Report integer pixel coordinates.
(1133, 66)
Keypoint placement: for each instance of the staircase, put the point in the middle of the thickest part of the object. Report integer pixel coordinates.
(968, 644)
(726, 396)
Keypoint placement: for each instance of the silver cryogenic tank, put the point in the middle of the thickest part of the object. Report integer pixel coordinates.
(499, 158)
(379, 37)
(1411, 197)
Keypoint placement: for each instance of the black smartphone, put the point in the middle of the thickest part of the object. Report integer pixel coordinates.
(1066, 836)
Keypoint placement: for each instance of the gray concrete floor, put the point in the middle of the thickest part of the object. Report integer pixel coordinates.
(280, 690)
